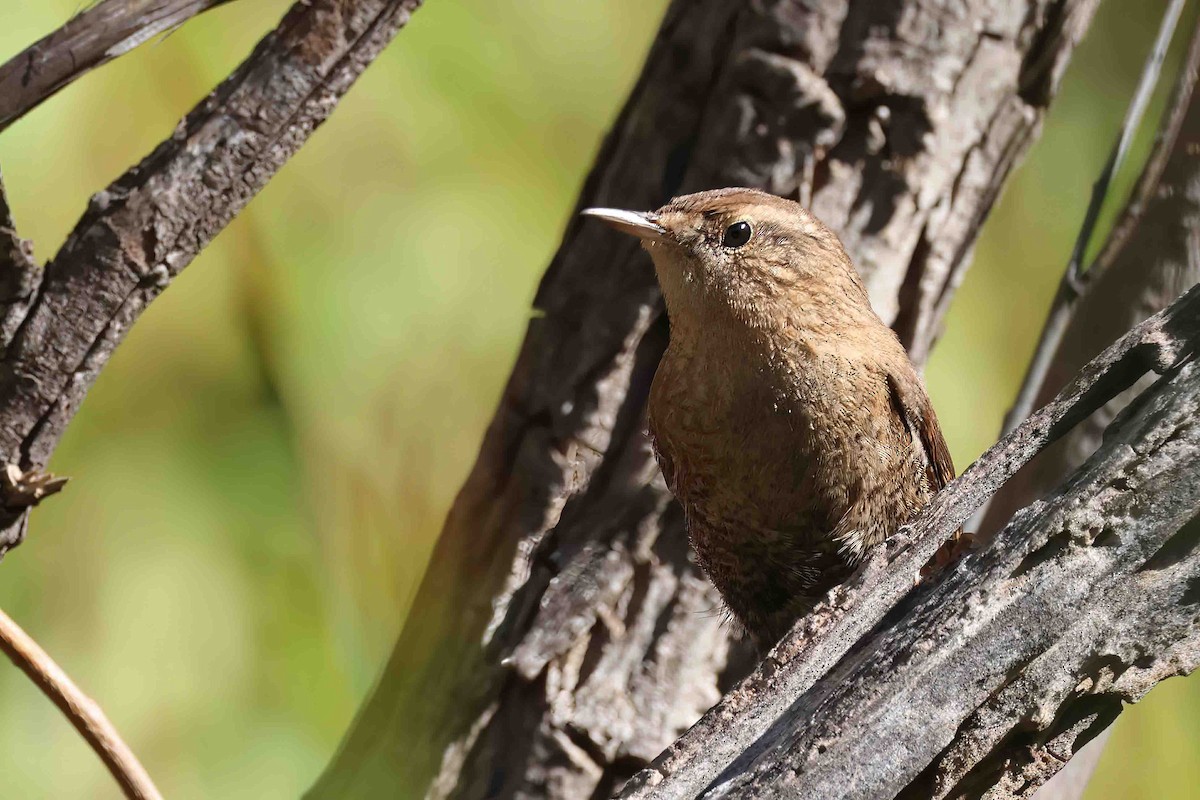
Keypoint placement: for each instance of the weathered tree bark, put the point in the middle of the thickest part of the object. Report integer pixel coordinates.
(562, 637)
(1150, 257)
(986, 683)
(811, 659)
(97, 35)
(61, 324)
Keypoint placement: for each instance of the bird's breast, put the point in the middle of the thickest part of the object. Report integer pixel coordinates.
(738, 449)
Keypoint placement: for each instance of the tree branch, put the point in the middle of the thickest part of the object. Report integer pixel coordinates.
(99, 34)
(82, 712)
(822, 639)
(1074, 280)
(1026, 649)
(141, 231)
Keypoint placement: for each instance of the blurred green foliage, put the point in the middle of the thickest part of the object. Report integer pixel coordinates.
(261, 471)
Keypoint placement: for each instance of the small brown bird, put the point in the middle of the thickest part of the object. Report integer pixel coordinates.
(786, 417)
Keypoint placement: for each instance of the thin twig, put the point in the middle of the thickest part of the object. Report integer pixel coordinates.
(1074, 281)
(101, 33)
(81, 710)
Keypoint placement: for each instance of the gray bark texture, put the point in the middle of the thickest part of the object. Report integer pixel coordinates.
(1026, 650)
(748, 728)
(1152, 255)
(97, 35)
(62, 323)
(562, 636)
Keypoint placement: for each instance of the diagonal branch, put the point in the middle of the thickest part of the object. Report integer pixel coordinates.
(752, 730)
(104, 31)
(141, 231)
(986, 684)
(83, 712)
(1074, 281)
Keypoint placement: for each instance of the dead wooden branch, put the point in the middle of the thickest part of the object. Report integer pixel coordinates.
(83, 713)
(812, 660)
(97, 35)
(1026, 650)
(141, 231)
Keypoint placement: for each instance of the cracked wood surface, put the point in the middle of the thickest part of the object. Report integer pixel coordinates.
(1150, 257)
(562, 636)
(731, 732)
(97, 35)
(1026, 649)
(141, 231)
(19, 273)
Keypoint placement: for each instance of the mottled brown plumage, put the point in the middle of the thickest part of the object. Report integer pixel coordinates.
(787, 418)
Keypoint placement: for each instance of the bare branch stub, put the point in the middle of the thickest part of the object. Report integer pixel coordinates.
(20, 489)
(141, 231)
(97, 35)
(19, 273)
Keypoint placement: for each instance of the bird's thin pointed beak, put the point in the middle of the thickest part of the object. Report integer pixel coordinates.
(636, 223)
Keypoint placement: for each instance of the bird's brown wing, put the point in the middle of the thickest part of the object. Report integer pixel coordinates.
(665, 464)
(915, 411)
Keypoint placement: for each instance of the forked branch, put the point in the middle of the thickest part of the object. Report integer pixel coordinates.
(141, 231)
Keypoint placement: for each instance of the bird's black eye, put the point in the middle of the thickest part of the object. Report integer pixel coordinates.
(736, 235)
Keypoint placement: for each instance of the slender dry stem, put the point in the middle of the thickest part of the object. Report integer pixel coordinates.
(82, 711)
(1074, 281)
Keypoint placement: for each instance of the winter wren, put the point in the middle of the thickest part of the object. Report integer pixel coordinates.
(786, 417)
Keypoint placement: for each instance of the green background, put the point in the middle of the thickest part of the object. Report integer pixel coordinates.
(262, 469)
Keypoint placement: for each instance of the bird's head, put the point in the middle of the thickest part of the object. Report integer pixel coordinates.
(761, 257)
